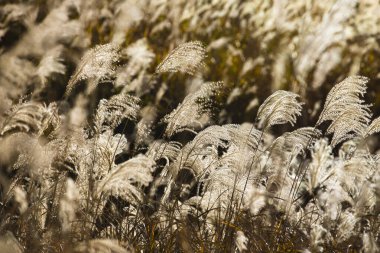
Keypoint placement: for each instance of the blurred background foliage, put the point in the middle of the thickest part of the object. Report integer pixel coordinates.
(254, 46)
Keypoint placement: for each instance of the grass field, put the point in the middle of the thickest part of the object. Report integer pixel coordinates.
(189, 126)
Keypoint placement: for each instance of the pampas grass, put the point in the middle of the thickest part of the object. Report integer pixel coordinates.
(189, 126)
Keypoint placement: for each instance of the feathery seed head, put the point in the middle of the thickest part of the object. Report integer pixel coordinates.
(279, 108)
(186, 58)
(97, 63)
